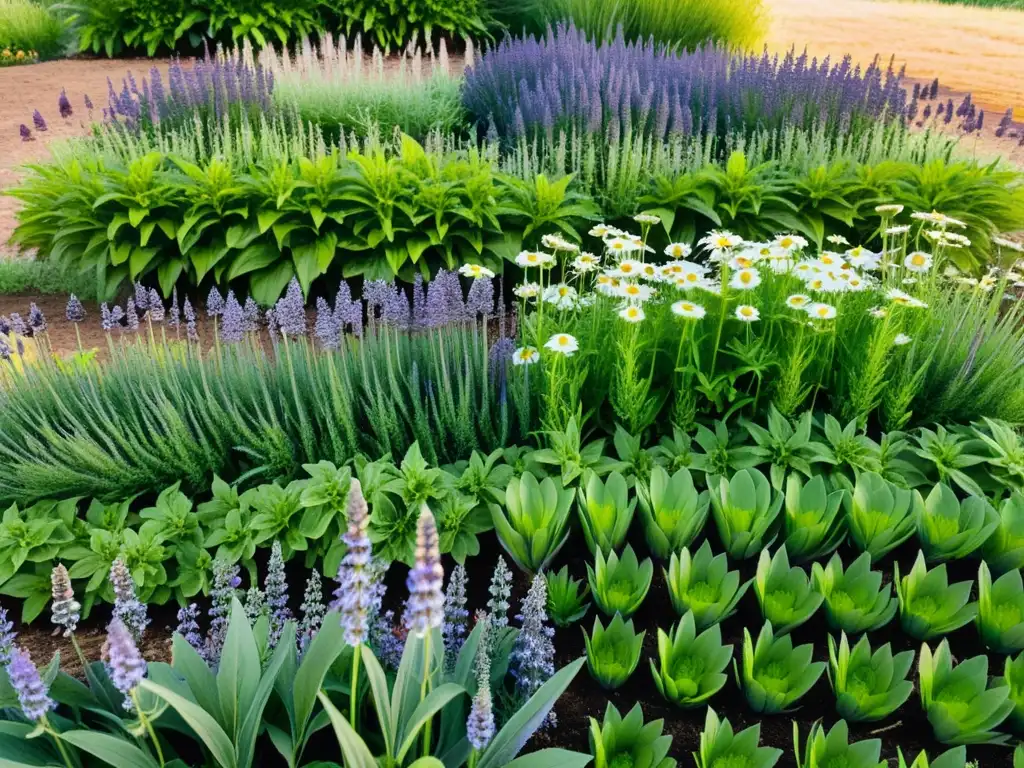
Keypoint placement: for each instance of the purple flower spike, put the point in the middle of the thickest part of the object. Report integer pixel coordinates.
(38, 121)
(7, 636)
(26, 133)
(127, 607)
(124, 661)
(214, 303)
(232, 320)
(33, 693)
(355, 594)
(64, 105)
(533, 656)
(36, 319)
(251, 315)
(66, 611)
(18, 325)
(313, 610)
(327, 329)
(131, 316)
(74, 312)
(480, 725)
(425, 610)
(276, 589)
(225, 583)
(156, 306)
(188, 626)
(190, 321)
(88, 102)
(290, 311)
(453, 628)
(141, 297)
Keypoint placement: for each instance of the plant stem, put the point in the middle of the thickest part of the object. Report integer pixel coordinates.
(424, 687)
(45, 722)
(75, 645)
(353, 694)
(148, 725)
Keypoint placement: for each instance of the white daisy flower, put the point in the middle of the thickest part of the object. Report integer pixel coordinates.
(720, 241)
(747, 313)
(620, 245)
(901, 339)
(635, 293)
(889, 209)
(628, 268)
(650, 272)
(856, 283)
(987, 283)
(938, 219)
(918, 261)
(951, 271)
(689, 310)
(607, 285)
(632, 314)
(638, 243)
(599, 230)
(529, 259)
(821, 311)
(586, 262)
(563, 343)
(837, 240)
(1012, 245)
(902, 229)
(790, 242)
(646, 218)
(781, 266)
(743, 260)
(525, 356)
(475, 271)
(678, 250)
(561, 295)
(559, 243)
(527, 290)
(798, 301)
(745, 279)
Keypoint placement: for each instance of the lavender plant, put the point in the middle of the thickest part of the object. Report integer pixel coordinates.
(276, 591)
(127, 607)
(533, 657)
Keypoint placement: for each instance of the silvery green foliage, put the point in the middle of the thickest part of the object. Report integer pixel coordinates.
(855, 600)
(880, 516)
(613, 652)
(959, 701)
(784, 593)
(869, 685)
(672, 510)
(826, 748)
(1000, 618)
(1004, 549)
(814, 521)
(776, 675)
(628, 741)
(746, 511)
(721, 746)
(500, 591)
(950, 529)
(691, 666)
(929, 605)
(703, 585)
(620, 584)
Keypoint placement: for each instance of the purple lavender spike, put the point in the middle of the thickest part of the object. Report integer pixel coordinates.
(232, 328)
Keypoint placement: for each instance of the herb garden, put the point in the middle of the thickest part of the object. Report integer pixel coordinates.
(577, 396)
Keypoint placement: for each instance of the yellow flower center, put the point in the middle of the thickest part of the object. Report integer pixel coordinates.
(917, 260)
(563, 341)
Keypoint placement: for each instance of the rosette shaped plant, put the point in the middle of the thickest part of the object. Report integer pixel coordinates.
(621, 741)
(815, 523)
(720, 746)
(775, 674)
(704, 585)
(959, 702)
(1000, 617)
(1013, 678)
(537, 521)
(672, 510)
(950, 529)
(605, 511)
(566, 603)
(613, 652)
(784, 592)
(855, 600)
(1004, 549)
(879, 516)
(868, 685)
(929, 605)
(746, 511)
(691, 667)
(952, 758)
(620, 584)
(833, 748)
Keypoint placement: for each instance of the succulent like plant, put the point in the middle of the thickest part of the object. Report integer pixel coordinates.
(720, 746)
(691, 667)
(784, 592)
(951, 758)
(1013, 678)
(868, 685)
(775, 674)
(613, 652)
(704, 585)
(1004, 549)
(535, 522)
(1000, 616)
(566, 603)
(672, 510)
(814, 520)
(879, 516)
(929, 605)
(605, 511)
(620, 584)
(950, 529)
(855, 600)
(833, 748)
(746, 512)
(959, 702)
(627, 741)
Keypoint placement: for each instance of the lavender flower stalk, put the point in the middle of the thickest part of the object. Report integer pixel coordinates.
(425, 610)
(188, 626)
(156, 306)
(313, 610)
(131, 316)
(533, 656)
(141, 297)
(232, 320)
(66, 611)
(190, 321)
(122, 657)
(500, 590)
(33, 693)
(225, 582)
(453, 629)
(174, 315)
(127, 607)
(214, 303)
(480, 724)
(276, 589)
(36, 319)
(7, 637)
(75, 312)
(290, 311)
(255, 604)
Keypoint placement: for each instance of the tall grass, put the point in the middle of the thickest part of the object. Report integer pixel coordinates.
(29, 26)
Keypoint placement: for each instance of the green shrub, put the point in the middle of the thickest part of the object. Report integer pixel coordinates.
(1004, 549)
(605, 511)
(868, 685)
(855, 600)
(832, 747)
(785, 594)
(879, 515)
(534, 523)
(775, 675)
(720, 745)
(1000, 616)
(613, 652)
(619, 585)
(703, 586)
(26, 25)
(34, 276)
(394, 24)
(691, 667)
(814, 522)
(950, 529)
(566, 603)
(672, 509)
(746, 512)
(929, 605)
(628, 741)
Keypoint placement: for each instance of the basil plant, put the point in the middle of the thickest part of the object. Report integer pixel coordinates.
(605, 511)
(613, 652)
(620, 584)
(691, 667)
(960, 703)
(784, 592)
(1004, 549)
(703, 585)
(775, 674)
(619, 741)
(672, 510)
(721, 746)
(535, 522)
(868, 685)
(950, 529)
(855, 600)
(824, 749)
(746, 511)
(929, 605)
(1000, 616)
(814, 520)
(879, 515)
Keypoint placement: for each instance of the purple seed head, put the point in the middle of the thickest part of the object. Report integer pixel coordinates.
(190, 321)
(251, 315)
(141, 297)
(225, 584)
(174, 315)
(453, 627)
(88, 102)
(326, 328)
(18, 325)
(313, 610)
(291, 311)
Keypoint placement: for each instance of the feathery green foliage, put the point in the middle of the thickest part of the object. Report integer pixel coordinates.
(26, 25)
(702, 585)
(868, 685)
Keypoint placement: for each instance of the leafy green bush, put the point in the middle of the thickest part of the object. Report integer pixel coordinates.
(719, 745)
(950, 529)
(703, 585)
(619, 585)
(814, 523)
(746, 512)
(929, 605)
(1013, 678)
(566, 603)
(855, 600)
(34, 276)
(1004, 549)
(879, 515)
(832, 747)
(868, 685)
(605, 511)
(613, 652)
(786, 597)
(628, 741)
(1000, 616)
(26, 25)
(673, 511)
(952, 758)
(775, 674)
(394, 24)
(534, 523)
(691, 667)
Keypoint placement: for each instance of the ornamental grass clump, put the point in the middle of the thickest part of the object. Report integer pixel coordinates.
(703, 585)
(605, 511)
(960, 703)
(691, 667)
(613, 652)
(855, 600)
(1004, 549)
(746, 512)
(869, 685)
(620, 584)
(879, 515)
(567, 604)
(1000, 618)
(775, 674)
(535, 522)
(784, 592)
(929, 605)
(720, 746)
(672, 509)
(832, 748)
(950, 529)
(628, 741)
(814, 522)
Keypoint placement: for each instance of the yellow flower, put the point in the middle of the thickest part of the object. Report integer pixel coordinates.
(20, 55)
